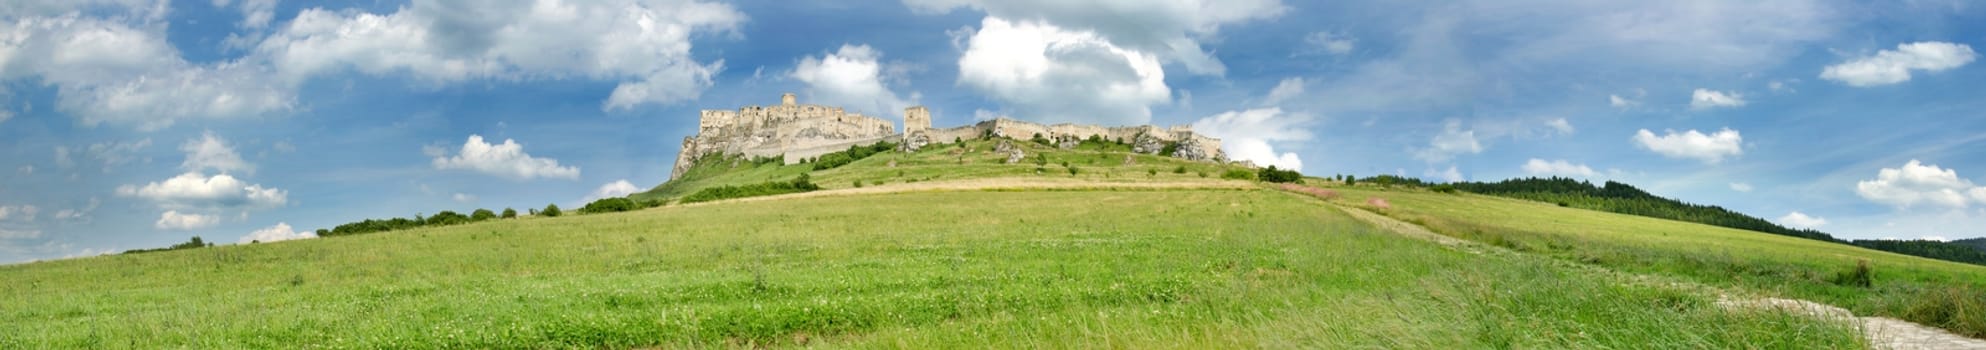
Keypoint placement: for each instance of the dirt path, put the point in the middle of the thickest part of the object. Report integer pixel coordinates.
(1882, 332)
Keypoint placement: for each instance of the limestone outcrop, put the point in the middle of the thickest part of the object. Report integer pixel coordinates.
(798, 131)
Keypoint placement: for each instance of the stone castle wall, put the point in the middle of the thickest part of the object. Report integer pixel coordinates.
(799, 131)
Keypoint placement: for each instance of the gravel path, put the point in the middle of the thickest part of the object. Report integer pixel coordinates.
(1882, 332)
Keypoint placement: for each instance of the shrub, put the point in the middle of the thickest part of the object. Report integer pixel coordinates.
(858, 183)
(447, 217)
(1073, 171)
(1860, 276)
(1238, 174)
(800, 184)
(1180, 170)
(1271, 174)
(509, 213)
(551, 210)
(832, 160)
(854, 153)
(610, 205)
(1151, 172)
(1443, 188)
(482, 214)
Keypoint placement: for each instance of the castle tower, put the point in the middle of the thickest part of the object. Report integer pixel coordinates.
(787, 99)
(916, 118)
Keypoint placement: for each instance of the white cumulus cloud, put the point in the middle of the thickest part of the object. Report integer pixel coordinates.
(1917, 184)
(1559, 167)
(1450, 142)
(1247, 135)
(643, 44)
(174, 220)
(280, 232)
(1709, 148)
(1289, 87)
(194, 190)
(851, 78)
(506, 160)
(1048, 73)
(1706, 98)
(1894, 66)
(1170, 30)
(618, 188)
(1561, 125)
(1801, 220)
(211, 152)
(1621, 102)
(122, 71)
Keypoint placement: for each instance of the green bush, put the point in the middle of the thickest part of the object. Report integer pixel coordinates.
(854, 153)
(551, 210)
(1443, 188)
(610, 205)
(1271, 174)
(832, 160)
(482, 214)
(1238, 174)
(1180, 170)
(509, 213)
(447, 217)
(800, 184)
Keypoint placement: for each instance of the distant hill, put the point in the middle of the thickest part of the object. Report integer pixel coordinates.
(1622, 198)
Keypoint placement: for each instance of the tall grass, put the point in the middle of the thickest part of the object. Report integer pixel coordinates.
(1130, 269)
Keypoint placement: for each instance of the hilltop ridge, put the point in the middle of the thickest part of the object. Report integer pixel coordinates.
(793, 132)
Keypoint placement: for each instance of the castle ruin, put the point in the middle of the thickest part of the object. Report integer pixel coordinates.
(800, 131)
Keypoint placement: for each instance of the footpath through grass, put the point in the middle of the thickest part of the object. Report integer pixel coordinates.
(1116, 269)
(1935, 293)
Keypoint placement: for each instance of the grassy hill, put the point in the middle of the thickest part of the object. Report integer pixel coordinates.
(1932, 292)
(1093, 162)
(950, 247)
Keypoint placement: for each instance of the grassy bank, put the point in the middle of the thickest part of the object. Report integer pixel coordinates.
(1135, 269)
(1931, 292)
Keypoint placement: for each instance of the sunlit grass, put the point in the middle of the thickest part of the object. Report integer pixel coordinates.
(1130, 269)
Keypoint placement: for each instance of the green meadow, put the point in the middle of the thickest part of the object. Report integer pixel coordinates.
(975, 269)
(1931, 292)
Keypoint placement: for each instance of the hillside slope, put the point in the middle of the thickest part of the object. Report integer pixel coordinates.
(1135, 269)
(1932, 292)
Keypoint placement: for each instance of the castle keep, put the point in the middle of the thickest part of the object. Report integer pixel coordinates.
(799, 131)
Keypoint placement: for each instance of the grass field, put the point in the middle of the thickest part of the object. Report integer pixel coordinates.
(1113, 269)
(1931, 292)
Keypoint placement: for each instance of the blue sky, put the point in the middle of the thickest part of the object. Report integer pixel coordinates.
(138, 123)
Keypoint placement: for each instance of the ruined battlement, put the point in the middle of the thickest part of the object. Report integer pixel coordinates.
(797, 131)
